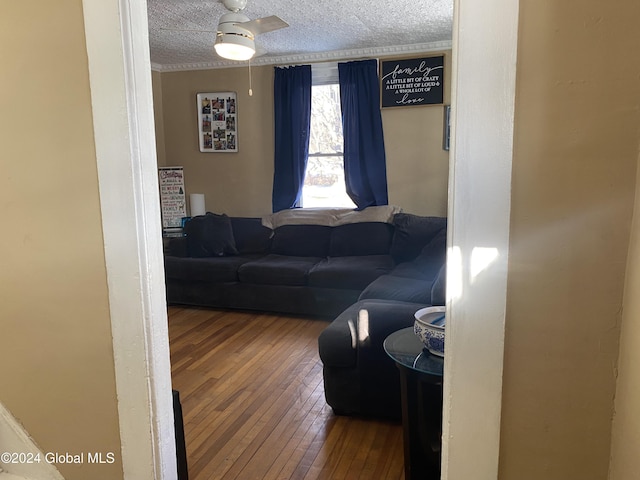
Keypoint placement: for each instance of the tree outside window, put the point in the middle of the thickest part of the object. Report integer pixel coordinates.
(324, 184)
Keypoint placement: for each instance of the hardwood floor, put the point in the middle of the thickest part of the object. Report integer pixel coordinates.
(253, 403)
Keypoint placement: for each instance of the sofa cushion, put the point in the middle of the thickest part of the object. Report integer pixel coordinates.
(211, 269)
(439, 288)
(210, 235)
(353, 273)
(301, 240)
(412, 233)
(250, 235)
(410, 270)
(427, 264)
(436, 249)
(391, 287)
(278, 270)
(368, 238)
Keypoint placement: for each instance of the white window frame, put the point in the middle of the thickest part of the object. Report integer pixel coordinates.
(324, 74)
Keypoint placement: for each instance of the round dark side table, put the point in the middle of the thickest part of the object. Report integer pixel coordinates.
(421, 384)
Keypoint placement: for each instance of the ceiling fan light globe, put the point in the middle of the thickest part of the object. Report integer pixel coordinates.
(235, 47)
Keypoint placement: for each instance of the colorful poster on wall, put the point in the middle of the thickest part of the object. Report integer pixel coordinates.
(172, 197)
(217, 122)
(413, 81)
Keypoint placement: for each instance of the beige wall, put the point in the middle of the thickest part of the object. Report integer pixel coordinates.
(240, 183)
(574, 178)
(158, 116)
(625, 442)
(417, 166)
(58, 372)
(233, 183)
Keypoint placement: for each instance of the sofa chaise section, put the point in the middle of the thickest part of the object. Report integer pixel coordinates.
(359, 377)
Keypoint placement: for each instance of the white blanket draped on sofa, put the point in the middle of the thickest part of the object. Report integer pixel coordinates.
(331, 217)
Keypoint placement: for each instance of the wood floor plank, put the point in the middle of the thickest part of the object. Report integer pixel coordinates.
(291, 453)
(278, 435)
(253, 403)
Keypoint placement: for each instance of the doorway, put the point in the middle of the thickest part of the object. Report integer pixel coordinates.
(486, 34)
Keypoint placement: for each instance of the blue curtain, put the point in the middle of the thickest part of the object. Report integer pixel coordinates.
(292, 116)
(365, 167)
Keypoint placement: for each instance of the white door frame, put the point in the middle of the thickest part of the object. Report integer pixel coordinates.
(485, 38)
(121, 93)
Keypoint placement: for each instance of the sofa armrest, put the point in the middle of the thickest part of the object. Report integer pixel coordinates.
(175, 246)
(359, 377)
(363, 327)
(377, 320)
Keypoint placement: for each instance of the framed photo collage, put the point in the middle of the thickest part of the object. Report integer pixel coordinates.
(217, 121)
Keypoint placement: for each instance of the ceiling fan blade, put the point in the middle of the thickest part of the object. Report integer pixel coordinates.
(264, 25)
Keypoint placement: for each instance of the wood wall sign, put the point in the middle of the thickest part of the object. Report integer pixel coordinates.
(413, 81)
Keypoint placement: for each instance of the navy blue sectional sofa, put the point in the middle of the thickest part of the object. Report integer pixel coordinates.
(388, 269)
(233, 262)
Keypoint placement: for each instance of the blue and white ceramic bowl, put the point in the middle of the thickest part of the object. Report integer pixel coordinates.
(429, 327)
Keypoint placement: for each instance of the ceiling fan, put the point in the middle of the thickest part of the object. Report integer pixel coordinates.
(236, 32)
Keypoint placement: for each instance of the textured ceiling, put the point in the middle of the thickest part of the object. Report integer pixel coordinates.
(322, 29)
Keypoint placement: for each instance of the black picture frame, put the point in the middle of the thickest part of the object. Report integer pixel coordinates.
(412, 82)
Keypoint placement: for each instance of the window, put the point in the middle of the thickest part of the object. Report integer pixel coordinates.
(324, 179)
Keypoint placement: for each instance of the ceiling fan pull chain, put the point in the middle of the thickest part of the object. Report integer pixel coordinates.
(250, 90)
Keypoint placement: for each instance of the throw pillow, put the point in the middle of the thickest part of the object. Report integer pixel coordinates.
(210, 235)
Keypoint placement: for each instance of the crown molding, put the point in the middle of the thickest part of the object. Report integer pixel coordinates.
(311, 57)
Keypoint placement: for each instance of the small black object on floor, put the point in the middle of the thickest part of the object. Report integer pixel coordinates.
(181, 451)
